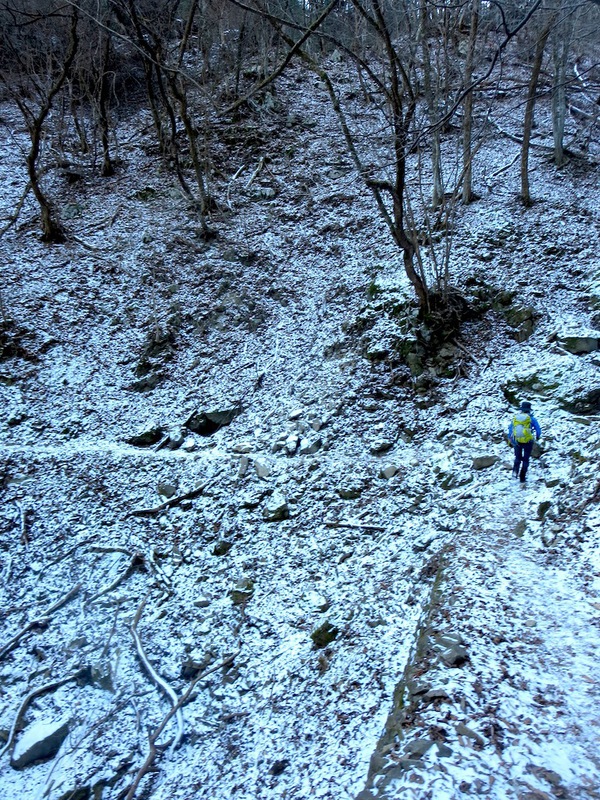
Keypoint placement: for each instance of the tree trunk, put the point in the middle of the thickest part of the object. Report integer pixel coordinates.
(107, 165)
(561, 44)
(529, 110)
(52, 230)
(431, 101)
(467, 191)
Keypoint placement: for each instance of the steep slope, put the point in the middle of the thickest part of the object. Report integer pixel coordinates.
(282, 523)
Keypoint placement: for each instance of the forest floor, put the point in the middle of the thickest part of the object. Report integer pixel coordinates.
(430, 634)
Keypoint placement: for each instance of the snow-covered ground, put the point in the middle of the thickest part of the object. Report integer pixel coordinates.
(277, 543)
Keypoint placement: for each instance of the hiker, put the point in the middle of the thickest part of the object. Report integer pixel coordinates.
(523, 430)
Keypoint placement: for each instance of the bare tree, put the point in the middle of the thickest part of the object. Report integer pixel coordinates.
(33, 78)
(530, 106)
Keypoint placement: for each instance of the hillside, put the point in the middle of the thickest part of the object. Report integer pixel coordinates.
(219, 478)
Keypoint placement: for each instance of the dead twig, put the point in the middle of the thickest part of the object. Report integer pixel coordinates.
(40, 623)
(137, 561)
(255, 173)
(173, 501)
(153, 737)
(24, 538)
(365, 527)
(48, 687)
(229, 185)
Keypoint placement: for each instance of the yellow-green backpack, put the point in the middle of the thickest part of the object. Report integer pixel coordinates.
(521, 428)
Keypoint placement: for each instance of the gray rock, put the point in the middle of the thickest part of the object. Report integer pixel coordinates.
(243, 467)
(418, 747)
(349, 491)
(291, 443)
(176, 439)
(381, 446)
(483, 462)
(222, 547)
(455, 656)
(242, 592)
(276, 509)
(202, 602)
(324, 635)
(147, 436)
(309, 447)
(167, 490)
(242, 447)
(208, 422)
(252, 499)
(436, 694)
(464, 730)
(318, 601)
(40, 740)
(296, 414)
(189, 444)
(388, 471)
(262, 470)
(583, 401)
(580, 345)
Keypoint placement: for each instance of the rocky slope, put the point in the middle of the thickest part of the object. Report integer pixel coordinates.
(216, 471)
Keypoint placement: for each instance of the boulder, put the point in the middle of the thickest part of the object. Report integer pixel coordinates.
(324, 635)
(579, 345)
(39, 741)
(222, 547)
(243, 467)
(291, 444)
(381, 445)
(242, 447)
(262, 469)
(147, 436)
(309, 447)
(276, 509)
(167, 489)
(176, 439)
(242, 591)
(483, 462)
(349, 491)
(582, 400)
(206, 423)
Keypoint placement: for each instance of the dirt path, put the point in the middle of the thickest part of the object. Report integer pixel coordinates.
(519, 718)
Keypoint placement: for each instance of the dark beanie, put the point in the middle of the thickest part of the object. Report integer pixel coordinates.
(526, 406)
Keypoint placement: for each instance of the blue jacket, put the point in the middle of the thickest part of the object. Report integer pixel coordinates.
(534, 424)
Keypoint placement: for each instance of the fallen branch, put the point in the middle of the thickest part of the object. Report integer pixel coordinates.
(23, 523)
(361, 526)
(517, 140)
(15, 215)
(31, 696)
(152, 738)
(173, 501)
(41, 622)
(229, 185)
(255, 173)
(162, 684)
(137, 560)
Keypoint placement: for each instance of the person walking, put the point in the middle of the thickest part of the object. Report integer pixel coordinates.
(523, 431)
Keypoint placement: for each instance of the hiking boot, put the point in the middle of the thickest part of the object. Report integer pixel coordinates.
(522, 479)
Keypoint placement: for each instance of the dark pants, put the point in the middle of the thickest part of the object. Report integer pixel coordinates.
(522, 456)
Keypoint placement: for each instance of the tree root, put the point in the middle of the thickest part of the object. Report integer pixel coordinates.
(48, 687)
(153, 747)
(41, 622)
(137, 561)
(173, 501)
